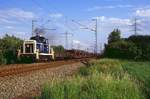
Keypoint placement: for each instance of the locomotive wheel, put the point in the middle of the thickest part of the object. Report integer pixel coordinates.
(45, 58)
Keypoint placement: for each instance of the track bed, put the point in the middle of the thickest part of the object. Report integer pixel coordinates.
(13, 86)
(22, 68)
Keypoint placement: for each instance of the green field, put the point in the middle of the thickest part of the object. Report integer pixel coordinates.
(103, 79)
(141, 72)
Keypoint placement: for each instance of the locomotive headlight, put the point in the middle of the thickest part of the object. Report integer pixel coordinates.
(28, 45)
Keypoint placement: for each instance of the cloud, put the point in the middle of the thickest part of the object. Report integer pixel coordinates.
(107, 24)
(10, 19)
(12, 15)
(21, 34)
(143, 13)
(79, 45)
(56, 15)
(16, 13)
(3, 20)
(119, 21)
(76, 41)
(109, 7)
(9, 27)
(114, 20)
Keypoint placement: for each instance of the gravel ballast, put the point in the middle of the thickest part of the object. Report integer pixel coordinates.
(13, 86)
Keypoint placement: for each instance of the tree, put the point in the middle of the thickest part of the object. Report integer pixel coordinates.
(58, 49)
(133, 47)
(143, 46)
(121, 49)
(114, 36)
(8, 49)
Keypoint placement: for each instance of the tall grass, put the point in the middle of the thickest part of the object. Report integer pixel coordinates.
(140, 71)
(105, 79)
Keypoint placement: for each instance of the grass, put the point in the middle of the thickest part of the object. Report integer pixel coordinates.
(104, 79)
(140, 71)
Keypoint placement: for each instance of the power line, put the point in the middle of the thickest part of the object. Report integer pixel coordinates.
(95, 30)
(66, 33)
(66, 19)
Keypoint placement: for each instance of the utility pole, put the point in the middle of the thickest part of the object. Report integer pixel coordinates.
(67, 34)
(95, 30)
(72, 46)
(78, 46)
(135, 27)
(33, 26)
(100, 48)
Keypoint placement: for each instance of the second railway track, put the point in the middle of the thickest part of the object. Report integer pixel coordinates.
(23, 68)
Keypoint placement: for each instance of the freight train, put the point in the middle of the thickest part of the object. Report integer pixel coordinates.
(37, 48)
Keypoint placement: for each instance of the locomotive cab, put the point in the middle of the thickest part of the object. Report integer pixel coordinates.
(38, 48)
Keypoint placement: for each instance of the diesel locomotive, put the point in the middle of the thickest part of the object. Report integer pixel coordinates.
(36, 48)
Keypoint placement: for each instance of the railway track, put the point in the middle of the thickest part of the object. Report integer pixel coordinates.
(23, 68)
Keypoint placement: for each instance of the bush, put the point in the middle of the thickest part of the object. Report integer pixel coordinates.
(134, 47)
(143, 46)
(2, 59)
(8, 48)
(121, 49)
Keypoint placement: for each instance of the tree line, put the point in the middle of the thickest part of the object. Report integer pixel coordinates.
(135, 47)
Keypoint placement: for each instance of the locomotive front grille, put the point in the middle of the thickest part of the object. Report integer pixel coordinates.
(29, 48)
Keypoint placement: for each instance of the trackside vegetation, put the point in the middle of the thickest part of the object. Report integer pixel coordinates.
(8, 49)
(135, 47)
(140, 71)
(103, 79)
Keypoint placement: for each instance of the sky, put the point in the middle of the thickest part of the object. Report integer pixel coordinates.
(16, 17)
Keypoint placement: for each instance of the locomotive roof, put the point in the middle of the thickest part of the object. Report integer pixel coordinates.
(39, 39)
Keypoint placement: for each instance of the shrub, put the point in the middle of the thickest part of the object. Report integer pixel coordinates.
(8, 48)
(121, 49)
(2, 59)
(134, 47)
